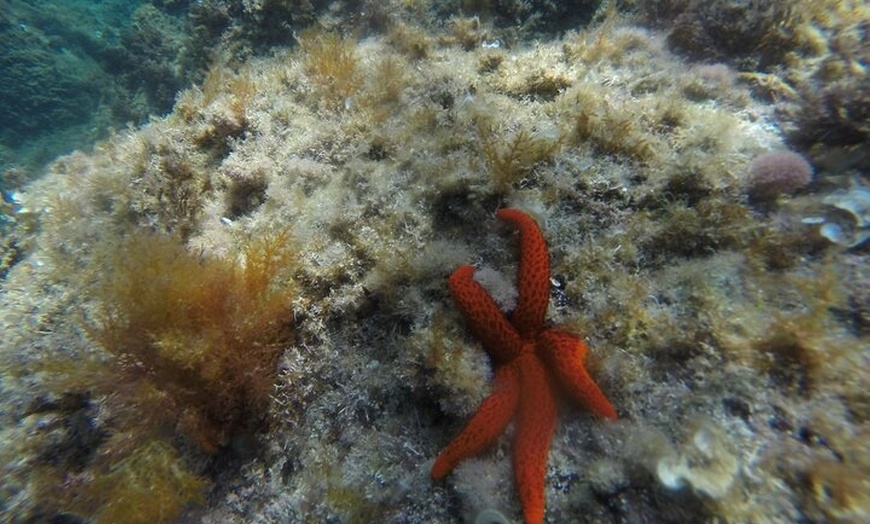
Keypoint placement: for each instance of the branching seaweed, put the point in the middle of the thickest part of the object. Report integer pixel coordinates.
(194, 343)
(512, 158)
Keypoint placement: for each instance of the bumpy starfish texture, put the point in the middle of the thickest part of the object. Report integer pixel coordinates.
(525, 357)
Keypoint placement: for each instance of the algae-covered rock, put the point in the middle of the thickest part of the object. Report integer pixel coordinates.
(43, 88)
(243, 304)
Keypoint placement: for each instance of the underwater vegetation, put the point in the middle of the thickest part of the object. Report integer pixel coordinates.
(75, 70)
(331, 64)
(240, 310)
(192, 345)
(205, 332)
(808, 57)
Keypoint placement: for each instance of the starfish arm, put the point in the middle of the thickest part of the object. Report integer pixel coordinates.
(533, 279)
(485, 319)
(564, 353)
(536, 421)
(490, 420)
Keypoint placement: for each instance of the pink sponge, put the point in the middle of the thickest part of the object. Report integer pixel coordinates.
(777, 173)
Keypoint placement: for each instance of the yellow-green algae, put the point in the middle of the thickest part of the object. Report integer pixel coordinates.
(732, 340)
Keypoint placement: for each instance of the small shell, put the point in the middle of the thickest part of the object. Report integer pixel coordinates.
(852, 227)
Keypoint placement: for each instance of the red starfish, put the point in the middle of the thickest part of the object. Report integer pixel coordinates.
(524, 355)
